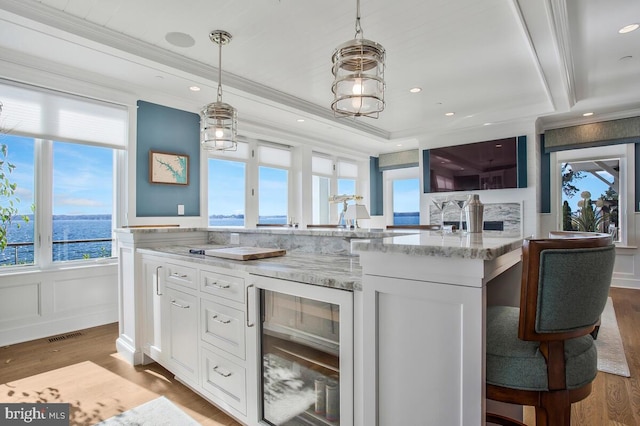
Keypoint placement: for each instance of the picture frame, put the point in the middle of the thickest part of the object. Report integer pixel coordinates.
(168, 168)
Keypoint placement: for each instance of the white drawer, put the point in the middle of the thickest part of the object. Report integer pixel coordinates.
(225, 380)
(180, 274)
(223, 327)
(227, 286)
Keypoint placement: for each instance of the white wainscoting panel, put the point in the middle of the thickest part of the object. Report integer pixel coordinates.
(37, 304)
(19, 301)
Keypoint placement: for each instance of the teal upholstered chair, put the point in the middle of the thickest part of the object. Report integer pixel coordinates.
(542, 354)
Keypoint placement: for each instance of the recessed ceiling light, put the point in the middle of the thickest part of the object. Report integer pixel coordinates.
(415, 90)
(194, 88)
(180, 39)
(399, 144)
(628, 28)
(300, 120)
(449, 114)
(587, 114)
(487, 124)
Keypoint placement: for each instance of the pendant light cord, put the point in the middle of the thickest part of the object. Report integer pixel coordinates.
(358, 26)
(220, 71)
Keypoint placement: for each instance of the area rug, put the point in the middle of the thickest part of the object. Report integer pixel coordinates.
(611, 357)
(157, 412)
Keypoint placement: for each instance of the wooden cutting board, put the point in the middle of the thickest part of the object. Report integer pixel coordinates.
(245, 253)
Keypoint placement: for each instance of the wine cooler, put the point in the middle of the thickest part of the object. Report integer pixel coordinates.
(306, 353)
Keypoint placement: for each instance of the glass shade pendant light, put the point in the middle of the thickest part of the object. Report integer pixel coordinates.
(218, 120)
(358, 70)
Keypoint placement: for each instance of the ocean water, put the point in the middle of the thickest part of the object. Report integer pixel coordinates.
(412, 218)
(65, 228)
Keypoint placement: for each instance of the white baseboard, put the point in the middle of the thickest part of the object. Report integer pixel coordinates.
(52, 327)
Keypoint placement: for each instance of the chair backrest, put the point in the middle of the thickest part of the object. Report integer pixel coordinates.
(565, 284)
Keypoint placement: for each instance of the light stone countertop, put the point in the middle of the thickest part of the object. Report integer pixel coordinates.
(487, 245)
(341, 272)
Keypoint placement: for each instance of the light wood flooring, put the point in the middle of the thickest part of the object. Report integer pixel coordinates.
(86, 372)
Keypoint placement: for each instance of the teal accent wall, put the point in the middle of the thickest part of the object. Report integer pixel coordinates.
(636, 204)
(426, 171)
(376, 186)
(522, 161)
(545, 178)
(165, 129)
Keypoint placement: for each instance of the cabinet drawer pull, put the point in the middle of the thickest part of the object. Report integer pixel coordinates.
(174, 303)
(177, 275)
(221, 321)
(247, 305)
(158, 281)
(221, 371)
(220, 284)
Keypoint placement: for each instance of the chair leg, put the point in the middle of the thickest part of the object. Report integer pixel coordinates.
(554, 410)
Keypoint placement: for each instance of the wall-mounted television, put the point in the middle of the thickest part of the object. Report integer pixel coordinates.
(475, 166)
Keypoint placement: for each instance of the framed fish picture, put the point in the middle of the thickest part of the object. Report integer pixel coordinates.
(168, 168)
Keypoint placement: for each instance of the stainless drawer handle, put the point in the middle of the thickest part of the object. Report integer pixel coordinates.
(220, 286)
(221, 321)
(173, 302)
(221, 372)
(247, 308)
(177, 275)
(158, 280)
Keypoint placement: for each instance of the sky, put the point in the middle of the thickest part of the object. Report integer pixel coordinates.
(82, 177)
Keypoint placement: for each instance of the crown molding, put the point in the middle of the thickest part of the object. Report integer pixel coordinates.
(558, 10)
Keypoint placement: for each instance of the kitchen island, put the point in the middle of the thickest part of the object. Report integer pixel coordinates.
(418, 303)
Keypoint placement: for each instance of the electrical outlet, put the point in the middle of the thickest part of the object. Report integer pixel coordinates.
(180, 209)
(234, 238)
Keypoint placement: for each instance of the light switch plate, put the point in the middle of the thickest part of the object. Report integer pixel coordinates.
(180, 209)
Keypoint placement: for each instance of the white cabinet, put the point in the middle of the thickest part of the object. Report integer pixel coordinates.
(152, 271)
(180, 334)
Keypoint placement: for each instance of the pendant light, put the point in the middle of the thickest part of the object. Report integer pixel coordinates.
(358, 70)
(218, 120)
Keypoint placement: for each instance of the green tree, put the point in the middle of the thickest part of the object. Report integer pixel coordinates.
(8, 199)
(568, 178)
(567, 223)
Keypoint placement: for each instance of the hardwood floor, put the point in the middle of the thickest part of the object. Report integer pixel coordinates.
(85, 371)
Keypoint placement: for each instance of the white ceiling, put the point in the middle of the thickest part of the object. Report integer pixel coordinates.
(490, 61)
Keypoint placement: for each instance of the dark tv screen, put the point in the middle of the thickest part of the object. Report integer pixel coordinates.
(475, 166)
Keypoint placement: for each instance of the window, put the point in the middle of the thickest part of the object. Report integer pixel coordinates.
(83, 191)
(590, 196)
(273, 200)
(273, 185)
(406, 201)
(66, 150)
(403, 187)
(322, 169)
(591, 190)
(226, 192)
(20, 232)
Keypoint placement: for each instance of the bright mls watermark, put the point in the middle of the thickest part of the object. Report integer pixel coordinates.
(40, 414)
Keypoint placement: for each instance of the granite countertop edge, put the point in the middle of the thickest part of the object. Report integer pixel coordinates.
(334, 271)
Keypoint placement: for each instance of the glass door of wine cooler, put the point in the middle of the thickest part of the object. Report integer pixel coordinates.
(303, 369)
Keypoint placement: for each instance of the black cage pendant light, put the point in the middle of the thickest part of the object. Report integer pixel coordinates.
(358, 70)
(219, 121)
